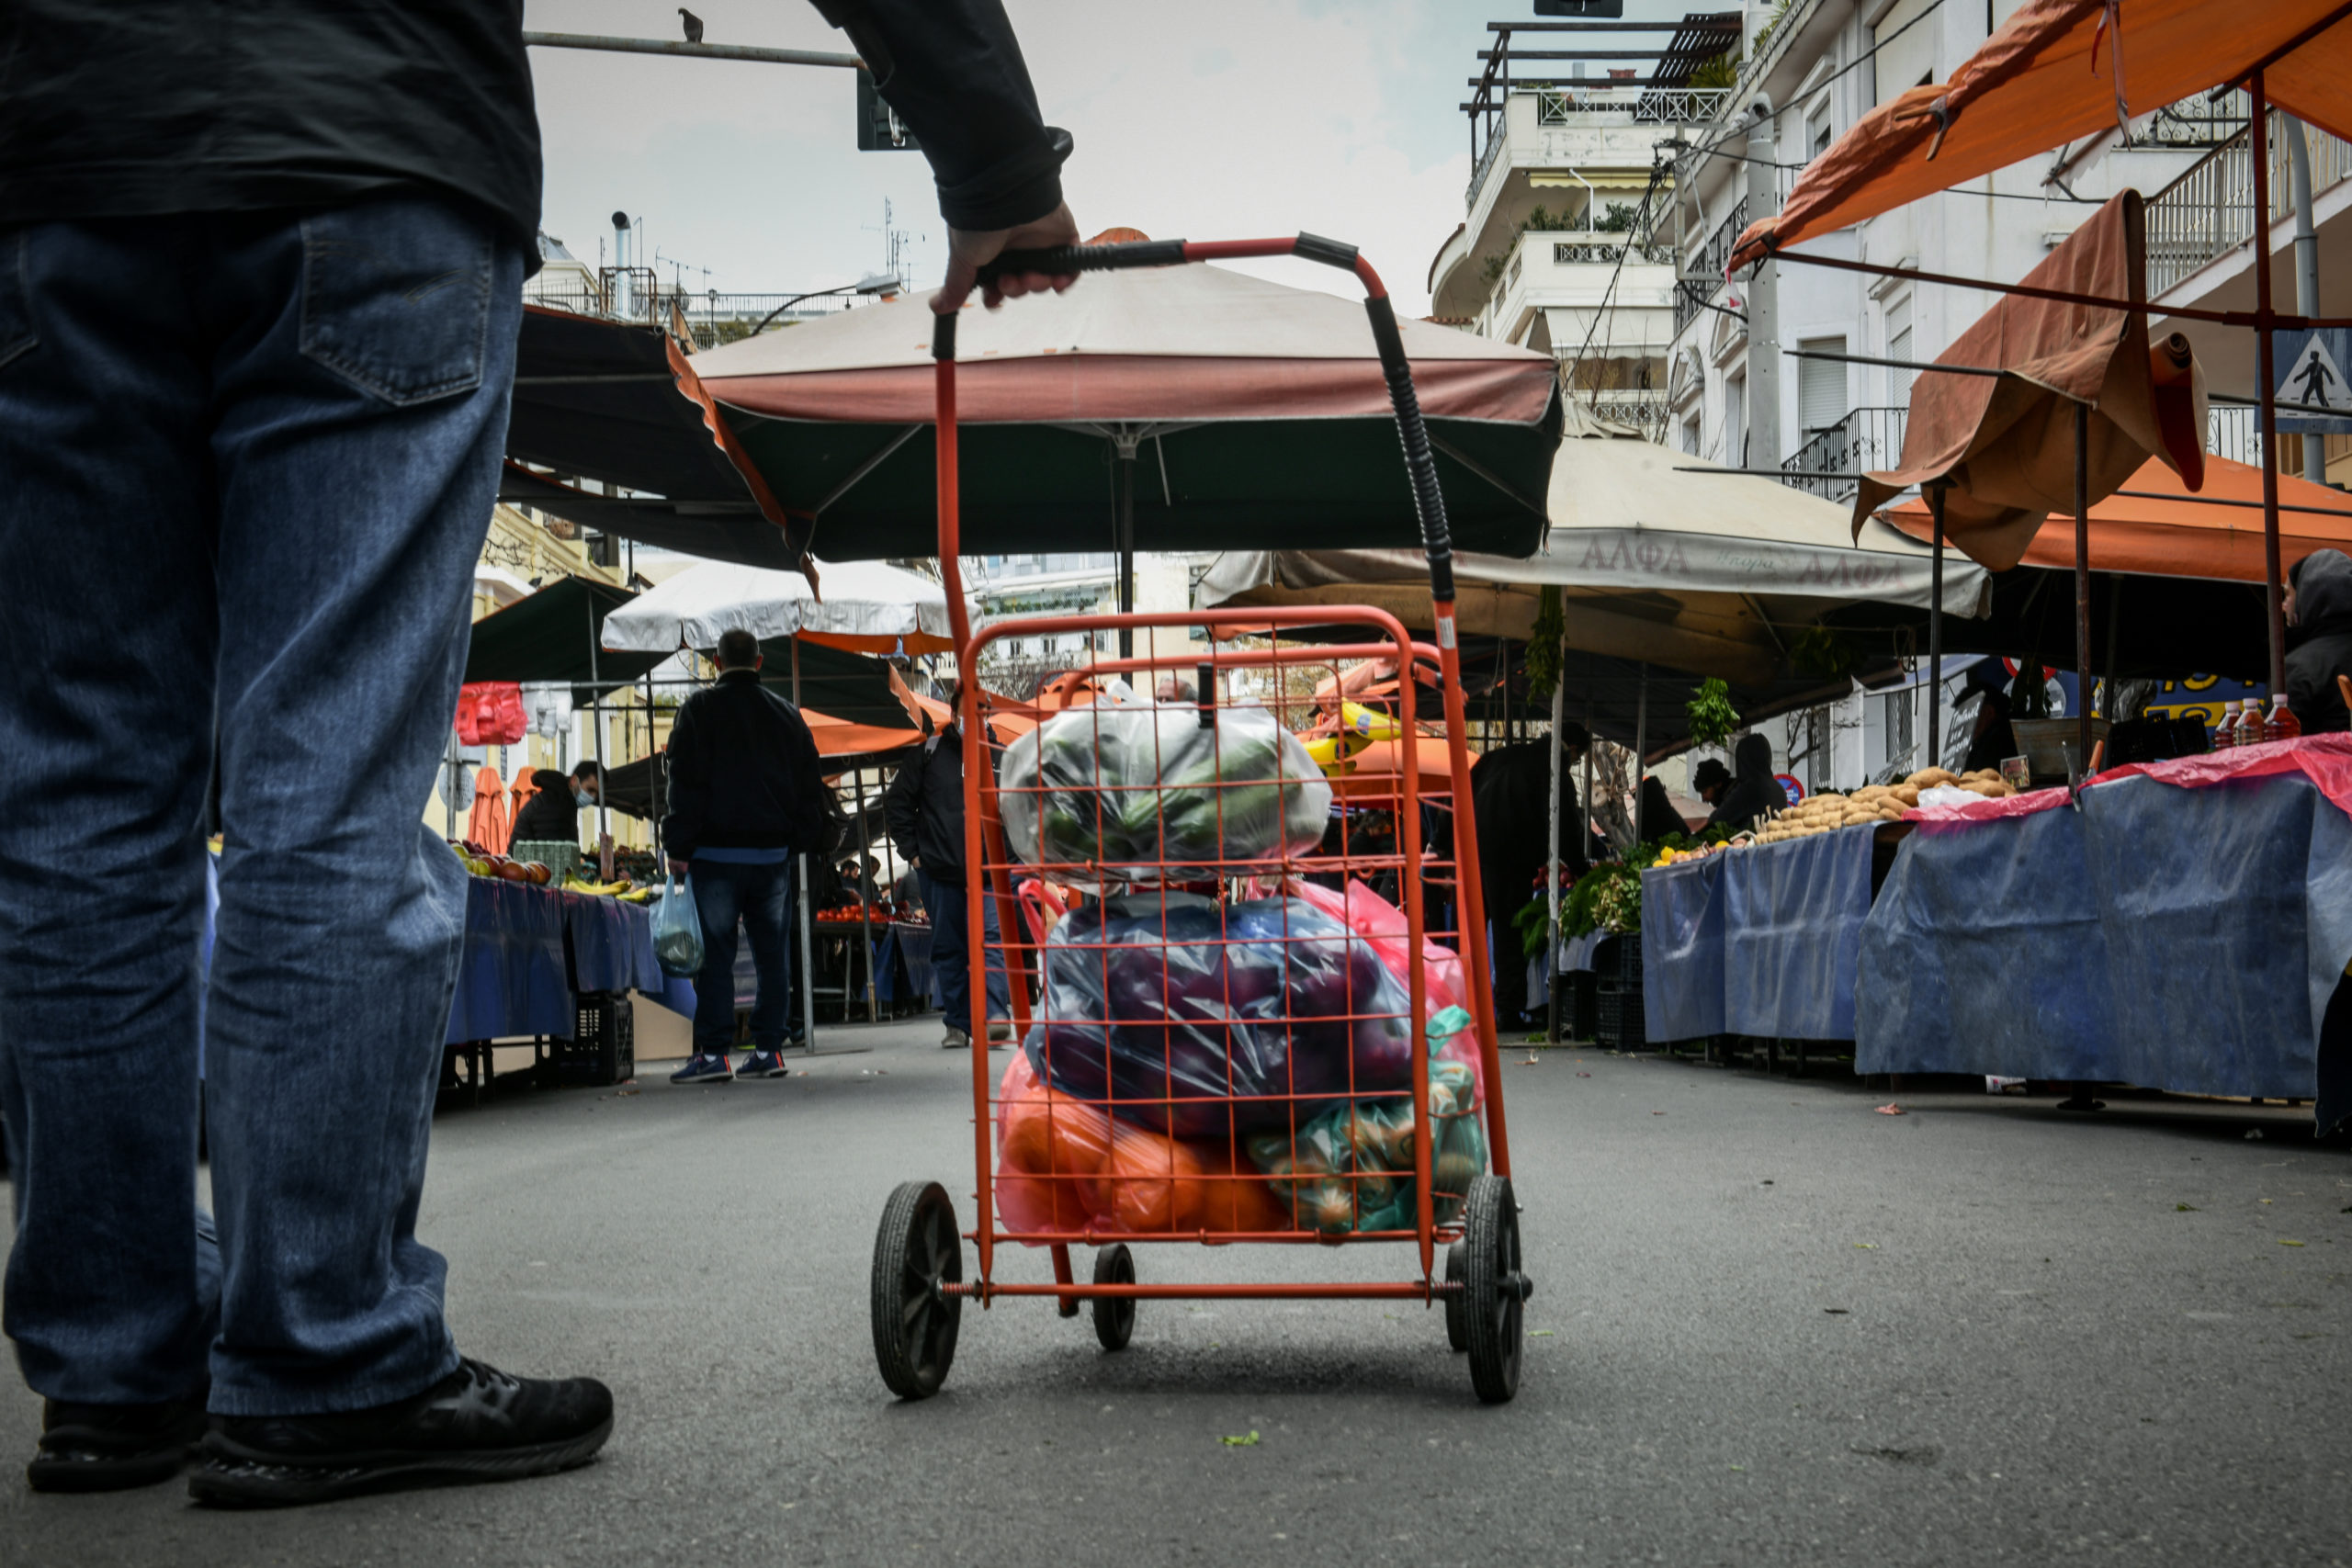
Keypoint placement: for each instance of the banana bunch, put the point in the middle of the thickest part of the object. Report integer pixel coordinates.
(613, 889)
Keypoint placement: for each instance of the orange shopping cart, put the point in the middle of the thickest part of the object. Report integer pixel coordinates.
(1249, 984)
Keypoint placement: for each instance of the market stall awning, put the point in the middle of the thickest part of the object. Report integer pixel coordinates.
(866, 606)
(552, 635)
(2081, 401)
(1660, 557)
(2055, 71)
(631, 786)
(600, 402)
(2152, 526)
(1252, 410)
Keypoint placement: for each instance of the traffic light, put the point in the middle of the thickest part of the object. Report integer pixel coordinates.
(1579, 7)
(879, 129)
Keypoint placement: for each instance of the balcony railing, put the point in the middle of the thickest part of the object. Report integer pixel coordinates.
(1606, 248)
(1565, 105)
(1865, 438)
(1702, 273)
(2208, 211)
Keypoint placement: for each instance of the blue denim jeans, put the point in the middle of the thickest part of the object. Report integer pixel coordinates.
(951, 952)
(761, 897)
(246, 465)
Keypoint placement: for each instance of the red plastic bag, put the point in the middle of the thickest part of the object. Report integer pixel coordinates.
(1383, 926)
(1063, 1164)
(491, 713)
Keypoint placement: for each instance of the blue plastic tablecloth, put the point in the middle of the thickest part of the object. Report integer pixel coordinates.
(1793, 934)
(512, 978)
(1682, 948)
(612, 945)
(2177, 939)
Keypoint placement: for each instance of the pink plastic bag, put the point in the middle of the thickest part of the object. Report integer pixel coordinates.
(1383, 926)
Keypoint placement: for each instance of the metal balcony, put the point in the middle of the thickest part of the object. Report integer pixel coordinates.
(1864, 439)
(2208, 211)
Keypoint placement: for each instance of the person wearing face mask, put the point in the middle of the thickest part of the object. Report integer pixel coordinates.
(552, 814)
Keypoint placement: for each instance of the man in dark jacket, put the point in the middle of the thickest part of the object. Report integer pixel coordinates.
(924, 810)
(552, 814)
(260, 282)
(2319, 644)
(747, 794)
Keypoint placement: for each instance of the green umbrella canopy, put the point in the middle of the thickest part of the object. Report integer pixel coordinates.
(550, 635)
(1254, 415)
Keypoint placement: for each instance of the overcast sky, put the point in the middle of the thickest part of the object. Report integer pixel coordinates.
(1193, 119)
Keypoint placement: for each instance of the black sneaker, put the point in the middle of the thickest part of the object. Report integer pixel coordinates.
(108, 1447)
(477, 1423)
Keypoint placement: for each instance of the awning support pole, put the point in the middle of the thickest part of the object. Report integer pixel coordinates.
(1936, 633)
(2082, 594)
(1552, 865)
(597, 733)
(1125, 446)
(865, 899)
(1641, 741)
(2114, 624)
(2266, 376)
(807, 974)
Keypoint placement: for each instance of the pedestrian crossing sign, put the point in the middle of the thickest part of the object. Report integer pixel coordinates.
(2310, 364)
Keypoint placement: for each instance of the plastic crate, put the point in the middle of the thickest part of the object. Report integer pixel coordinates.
(1580, 1004)
(1620, 1020)
(1617, 961)
(603, 1047)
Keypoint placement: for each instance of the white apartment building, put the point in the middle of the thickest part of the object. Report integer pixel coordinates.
(1810, 69)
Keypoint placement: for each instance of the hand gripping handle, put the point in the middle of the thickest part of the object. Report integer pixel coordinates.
(1059, 260)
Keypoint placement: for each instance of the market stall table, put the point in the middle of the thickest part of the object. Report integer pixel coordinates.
(2184, 929)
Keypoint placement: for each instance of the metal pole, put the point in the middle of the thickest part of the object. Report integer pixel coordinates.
(865, 900)
(1584, 828)
(2114, 624)
(596, 734)
(689, 51)
(1641, 741)
(1552, 865)
(1126, 450)
(2082, 591)
(1936, 632)
(807, 974)
(2299, 179)
(2267, 378)
(653, 769)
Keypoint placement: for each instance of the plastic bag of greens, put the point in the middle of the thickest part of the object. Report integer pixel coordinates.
(1129, 792)
(677, 928)
(1351, 1168)
(1190, 1017)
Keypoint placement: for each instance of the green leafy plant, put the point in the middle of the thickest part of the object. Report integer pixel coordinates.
(1620, 219)
(1713, 718)
(1543, 645)
(1822, 653)
(1723, 70)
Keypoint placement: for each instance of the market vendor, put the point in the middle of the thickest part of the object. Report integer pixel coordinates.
(2318, 645)
(1712, 780)
(925, 809)
(552, 814)
(1754, 791)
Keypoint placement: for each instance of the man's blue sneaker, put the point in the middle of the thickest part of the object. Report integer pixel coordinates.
(705, 1069)
(764, 1065)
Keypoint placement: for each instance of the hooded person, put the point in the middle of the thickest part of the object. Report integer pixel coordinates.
(2318, 645)
(1754, 791)
(1510, 788)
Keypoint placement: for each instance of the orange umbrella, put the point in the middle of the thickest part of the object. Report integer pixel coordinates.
(2152, 526)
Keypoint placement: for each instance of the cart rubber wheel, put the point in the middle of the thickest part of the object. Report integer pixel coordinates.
(1494, 1289)
(1115, 1316)
(1457, 1323)
(916, 1252)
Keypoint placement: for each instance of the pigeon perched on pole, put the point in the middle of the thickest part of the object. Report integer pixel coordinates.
(694, 25)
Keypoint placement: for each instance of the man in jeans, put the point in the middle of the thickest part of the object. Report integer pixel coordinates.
(260, 284)
(925, 811)
(747, 793)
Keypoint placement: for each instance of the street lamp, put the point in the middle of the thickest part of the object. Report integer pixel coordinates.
(873, 283)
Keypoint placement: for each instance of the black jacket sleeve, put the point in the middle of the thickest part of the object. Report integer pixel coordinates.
(954, 71)
(902, 807)
(689, 785)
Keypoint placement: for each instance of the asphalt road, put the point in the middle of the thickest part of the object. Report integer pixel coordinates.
(1771, 1327)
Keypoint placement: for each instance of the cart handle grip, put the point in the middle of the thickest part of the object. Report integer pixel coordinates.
(1059, 260)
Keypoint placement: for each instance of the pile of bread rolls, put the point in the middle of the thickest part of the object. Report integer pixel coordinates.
(1874, 803)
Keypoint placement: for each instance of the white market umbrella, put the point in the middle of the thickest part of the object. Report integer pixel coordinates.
(1659, 556)
(863, 606)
